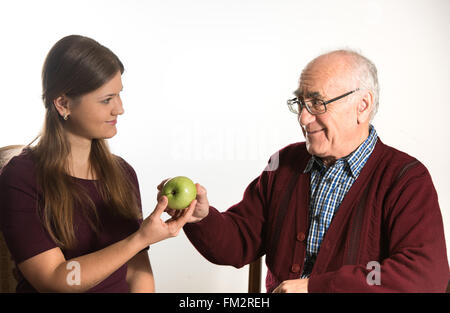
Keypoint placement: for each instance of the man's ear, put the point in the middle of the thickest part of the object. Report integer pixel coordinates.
(62, 105)
(365, 106)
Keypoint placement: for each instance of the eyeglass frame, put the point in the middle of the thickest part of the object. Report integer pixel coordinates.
(298, 100)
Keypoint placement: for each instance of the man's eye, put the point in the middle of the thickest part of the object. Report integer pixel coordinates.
(316, 102)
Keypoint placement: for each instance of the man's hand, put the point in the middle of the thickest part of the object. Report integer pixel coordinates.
(293, 286)
(201, 208)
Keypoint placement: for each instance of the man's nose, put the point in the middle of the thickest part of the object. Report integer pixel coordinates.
(304, 117)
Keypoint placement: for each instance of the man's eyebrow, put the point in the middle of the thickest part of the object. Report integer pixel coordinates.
(309, 94)
(313, 94)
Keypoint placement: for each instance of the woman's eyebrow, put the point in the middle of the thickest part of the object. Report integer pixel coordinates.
(110, 95)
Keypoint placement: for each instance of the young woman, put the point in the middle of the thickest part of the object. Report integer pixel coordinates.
(70, 210)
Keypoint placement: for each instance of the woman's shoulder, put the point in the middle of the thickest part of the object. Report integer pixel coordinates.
(19, 167)
(126, 166)
(19, 173)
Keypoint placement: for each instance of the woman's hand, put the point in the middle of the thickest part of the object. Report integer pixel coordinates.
(153, 229)
(201, 208)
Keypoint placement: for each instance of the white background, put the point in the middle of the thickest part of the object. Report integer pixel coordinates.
(206, 84)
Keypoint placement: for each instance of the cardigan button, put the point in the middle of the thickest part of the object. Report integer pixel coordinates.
(295, 268)
(301, 236)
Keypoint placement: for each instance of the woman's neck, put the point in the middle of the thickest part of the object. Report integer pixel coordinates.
(79, 158)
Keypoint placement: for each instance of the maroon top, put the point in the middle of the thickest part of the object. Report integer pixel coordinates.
(26, 237)
(390, 215)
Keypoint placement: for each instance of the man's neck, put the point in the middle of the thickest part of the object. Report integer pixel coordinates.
(329, 161)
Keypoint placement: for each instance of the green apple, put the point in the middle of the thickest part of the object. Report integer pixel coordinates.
(180, 191)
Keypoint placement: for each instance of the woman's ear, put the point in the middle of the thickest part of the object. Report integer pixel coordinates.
(365, 107)
(62, 105)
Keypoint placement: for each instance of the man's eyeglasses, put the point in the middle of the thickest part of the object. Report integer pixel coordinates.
(314, 106)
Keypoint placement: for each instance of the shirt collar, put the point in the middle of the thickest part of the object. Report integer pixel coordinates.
(355, 160)
(309, 165)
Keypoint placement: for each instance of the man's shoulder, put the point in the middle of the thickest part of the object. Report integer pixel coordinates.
(399, 162)
(297, 149)
(291, 157)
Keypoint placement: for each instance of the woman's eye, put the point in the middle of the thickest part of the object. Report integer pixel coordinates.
(106, 101)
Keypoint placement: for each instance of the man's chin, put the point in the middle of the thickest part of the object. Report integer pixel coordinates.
(314, 150)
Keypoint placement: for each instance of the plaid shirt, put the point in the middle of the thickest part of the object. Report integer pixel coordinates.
(328, 188)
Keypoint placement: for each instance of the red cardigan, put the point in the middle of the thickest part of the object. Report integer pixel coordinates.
(390, 215)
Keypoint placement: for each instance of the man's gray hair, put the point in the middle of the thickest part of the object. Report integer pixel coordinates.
(365, 73)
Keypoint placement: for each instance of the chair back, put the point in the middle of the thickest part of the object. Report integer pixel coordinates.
(254, 276)
(8, 280)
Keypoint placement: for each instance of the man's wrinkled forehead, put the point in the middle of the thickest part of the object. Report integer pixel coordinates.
(311, 86)
(319, 77)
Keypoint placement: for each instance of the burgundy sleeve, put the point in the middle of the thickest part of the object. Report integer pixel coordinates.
(19, 220)
(234, 237)
(417, 259)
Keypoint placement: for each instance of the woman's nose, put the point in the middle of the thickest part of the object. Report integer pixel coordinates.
(118, 107)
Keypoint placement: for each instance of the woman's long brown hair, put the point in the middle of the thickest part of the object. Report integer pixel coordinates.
(77, 65)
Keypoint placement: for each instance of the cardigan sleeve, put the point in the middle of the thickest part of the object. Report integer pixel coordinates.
(417, 260)
(234, 237)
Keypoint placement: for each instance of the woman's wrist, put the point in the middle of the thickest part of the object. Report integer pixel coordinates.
(138, 241)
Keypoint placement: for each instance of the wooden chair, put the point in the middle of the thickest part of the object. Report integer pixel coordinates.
(254, 276)
(8, 281)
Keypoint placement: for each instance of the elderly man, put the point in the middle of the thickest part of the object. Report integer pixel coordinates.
(342, 212)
